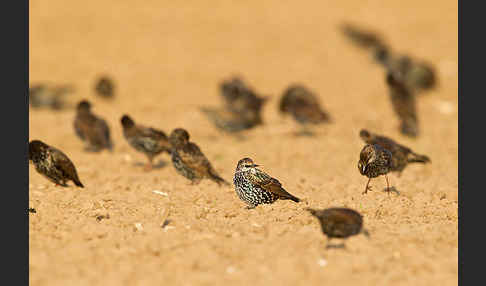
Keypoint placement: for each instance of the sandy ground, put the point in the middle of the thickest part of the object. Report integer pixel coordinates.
(168, 60)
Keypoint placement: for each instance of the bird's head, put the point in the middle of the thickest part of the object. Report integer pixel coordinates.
(126, 121)
(36, 147)
(179, 137)
(367, 156)
(83, 105)
(245, 164)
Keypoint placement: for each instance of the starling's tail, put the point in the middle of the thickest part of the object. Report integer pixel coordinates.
(288, 196)
(416, 158)
(215, 177)
(77, 182)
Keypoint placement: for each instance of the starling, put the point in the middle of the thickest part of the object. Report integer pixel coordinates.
(147, 140)
(363, 38)
(52, 164)
(43, 95)
(374, 161)
(401, 155)
(229, 121)
(303, 105)
(254, 187)
(403, 103)
(339, 223)
(32, 210)
(105, 87)
(91, 129)
(189, 161)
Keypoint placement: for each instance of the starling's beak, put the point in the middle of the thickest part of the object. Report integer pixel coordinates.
(254, 165)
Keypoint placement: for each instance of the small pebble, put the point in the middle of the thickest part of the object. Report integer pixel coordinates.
(322, 262)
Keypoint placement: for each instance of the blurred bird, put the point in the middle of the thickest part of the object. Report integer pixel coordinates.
(146, 140)
(91, 129)
(189, 161)
(374, 161)
(105, 87)
(43, 95)
(403, 103)
(363, 38)
(303, 105)
(241, 110)
(254, 187)
(339, 223)
(401, 155)
(52, 164)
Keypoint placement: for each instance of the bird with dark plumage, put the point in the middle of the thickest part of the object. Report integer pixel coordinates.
(52, 164)
(339, 223)
(147, 140)
(403, 103)
(91, 129)
(374, 161)
(254, 187)
(303, 105)
(241, 110)
(105, 87)
(401, 155)
(189, 161)
(363, 38)
(50, 96)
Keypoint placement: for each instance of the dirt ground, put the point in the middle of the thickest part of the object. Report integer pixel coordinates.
(167, 58)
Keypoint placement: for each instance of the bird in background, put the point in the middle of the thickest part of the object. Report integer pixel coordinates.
(241, 108)
(401, 155)
(49, 96)
(189, 161)
(91, 129)
(53, 164)
(104, 87)
(146, 140)
(374, 161)
(253, 186)
(304, 106)
(339, 223)
(403, 103)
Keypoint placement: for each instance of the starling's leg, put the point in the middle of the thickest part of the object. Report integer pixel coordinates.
(387, 185)
(250, 207)
(367, 187)
(148, 166)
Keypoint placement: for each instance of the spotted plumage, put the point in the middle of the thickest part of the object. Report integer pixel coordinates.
(374, 161)
(146, 140)
(339, 222)
(52, 164)
(189, 161)
(401, 155)
(254, 187)
(91, 129)
(105, 87)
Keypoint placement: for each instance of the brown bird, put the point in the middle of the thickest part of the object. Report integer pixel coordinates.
(147, 140)
(401, 155)
(229, 121)
(361, 37)
(52, 164)
(303, 105)
(374, 161)
(49, 96)
(403, 103)
(91, 129)
(339, 223)
(254, 187)
(189, 161)
(105, 87)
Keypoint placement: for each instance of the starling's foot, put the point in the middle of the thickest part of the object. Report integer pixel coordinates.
(341, 246)
(366, 190)
(250, 207)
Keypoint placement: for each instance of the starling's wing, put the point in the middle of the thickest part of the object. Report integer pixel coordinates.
(193, 158)
(152, 139)
(270, 184)
(62, 162)
(104, 133)
(346, 221)
(78, 128)
(227, 120)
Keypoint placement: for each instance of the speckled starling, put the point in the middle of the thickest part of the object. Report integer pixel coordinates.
(52, 164)
(401, 155)
(303, 105)
(239, 97)
(374, 161)
(404, 104)
(254, 187)
(105, 87)
(91, 129)
(189, 161)
(43, 95)
(146, 140)
(339, 223)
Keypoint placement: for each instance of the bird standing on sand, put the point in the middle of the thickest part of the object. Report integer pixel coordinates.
(189, 161)
(339, 223)
(91, 129)
(401, 155)
(52, 164)
(374, 161)
(254, 187)
(104, 87)
(146, 140)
